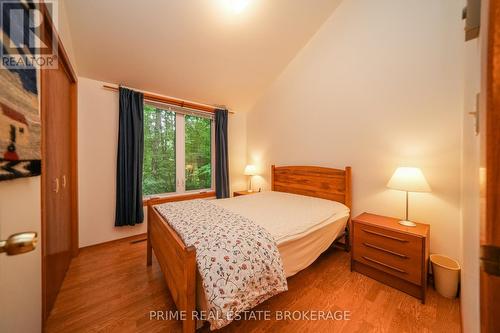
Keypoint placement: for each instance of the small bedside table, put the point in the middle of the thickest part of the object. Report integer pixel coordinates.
(391, 253)
(238, 193)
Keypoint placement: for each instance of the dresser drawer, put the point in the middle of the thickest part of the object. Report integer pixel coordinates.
(392, 262)
(397, 242)
(391, 253)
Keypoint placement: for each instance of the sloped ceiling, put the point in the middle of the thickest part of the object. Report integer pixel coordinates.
(192, 49)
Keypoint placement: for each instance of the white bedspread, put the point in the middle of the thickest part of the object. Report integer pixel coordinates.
(286, 216)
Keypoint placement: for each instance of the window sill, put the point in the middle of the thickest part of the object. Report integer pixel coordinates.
(177, 197)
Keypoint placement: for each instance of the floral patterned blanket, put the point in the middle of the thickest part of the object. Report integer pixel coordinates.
(238, 260)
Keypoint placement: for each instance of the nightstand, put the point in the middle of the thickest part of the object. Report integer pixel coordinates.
(238, 193)
(391, 253)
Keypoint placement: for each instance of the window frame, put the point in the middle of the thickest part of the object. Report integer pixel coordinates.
(180, 150)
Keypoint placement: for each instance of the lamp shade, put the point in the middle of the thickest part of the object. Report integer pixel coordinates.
(408, 179)
(250, 170)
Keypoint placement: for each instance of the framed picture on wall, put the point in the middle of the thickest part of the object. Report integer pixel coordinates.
(20, 130)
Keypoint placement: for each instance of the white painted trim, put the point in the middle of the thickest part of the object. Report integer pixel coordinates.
(180, 153)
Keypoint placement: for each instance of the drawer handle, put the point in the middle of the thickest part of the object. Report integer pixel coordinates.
(385, 265)
(385, 250)
(386, 236)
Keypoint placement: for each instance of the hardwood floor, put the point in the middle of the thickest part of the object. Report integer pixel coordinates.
(109, 288)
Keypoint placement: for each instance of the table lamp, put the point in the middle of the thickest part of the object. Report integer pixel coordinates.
(250, 170)
(408, 180)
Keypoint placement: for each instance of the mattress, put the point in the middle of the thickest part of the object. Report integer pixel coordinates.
(303, 227)
(286, 216)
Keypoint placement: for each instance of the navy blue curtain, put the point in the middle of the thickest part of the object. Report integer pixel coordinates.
(130, 154)
(221, 158)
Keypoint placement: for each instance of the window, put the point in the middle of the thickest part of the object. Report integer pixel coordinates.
(198, 152)
(177, 151)
(158, 175)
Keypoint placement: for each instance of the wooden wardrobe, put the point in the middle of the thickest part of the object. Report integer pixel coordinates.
(58, 98)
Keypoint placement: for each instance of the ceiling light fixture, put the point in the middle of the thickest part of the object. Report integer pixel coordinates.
(236, 6)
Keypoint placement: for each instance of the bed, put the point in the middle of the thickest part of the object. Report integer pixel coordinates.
(306, 212)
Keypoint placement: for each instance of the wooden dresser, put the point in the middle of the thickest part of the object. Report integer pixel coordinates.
(391, 253)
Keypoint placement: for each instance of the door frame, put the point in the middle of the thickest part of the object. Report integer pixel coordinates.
(490, 168)
(48, 29)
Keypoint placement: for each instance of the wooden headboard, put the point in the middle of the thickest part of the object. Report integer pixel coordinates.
(325, 183)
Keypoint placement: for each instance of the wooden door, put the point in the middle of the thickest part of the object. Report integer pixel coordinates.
(59, 177)
(490, 167)
(57, 230)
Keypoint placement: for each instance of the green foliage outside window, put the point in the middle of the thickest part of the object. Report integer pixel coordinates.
(198, 137)
(159, 151)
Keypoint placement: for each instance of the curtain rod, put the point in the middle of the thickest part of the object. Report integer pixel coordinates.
(170, 100)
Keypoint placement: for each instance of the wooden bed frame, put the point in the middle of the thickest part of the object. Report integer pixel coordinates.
(178, 261)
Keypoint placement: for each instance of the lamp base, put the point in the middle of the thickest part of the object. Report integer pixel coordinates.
(249, 190)
(408, 223)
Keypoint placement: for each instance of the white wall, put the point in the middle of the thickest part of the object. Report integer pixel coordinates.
(61, 22)
(380, 85)
(97, 150)
(475, 54)
(470, 193)
(237, 150)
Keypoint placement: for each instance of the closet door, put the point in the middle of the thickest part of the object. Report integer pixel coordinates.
(57, 251)
(59, 173)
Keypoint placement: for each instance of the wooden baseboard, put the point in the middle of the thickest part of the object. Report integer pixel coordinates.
(134, 238)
